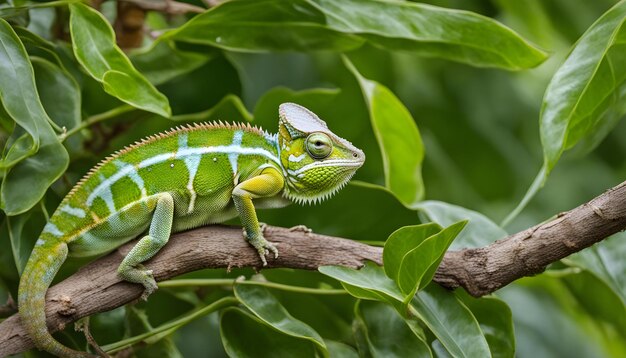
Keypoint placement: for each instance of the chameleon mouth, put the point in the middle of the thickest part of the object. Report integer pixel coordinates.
(328, 163)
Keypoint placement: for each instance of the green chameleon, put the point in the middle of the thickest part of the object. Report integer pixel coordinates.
(181, 179)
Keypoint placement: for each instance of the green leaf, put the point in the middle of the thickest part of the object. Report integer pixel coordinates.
(17, 8)
(605, 260)
(403, 240)
(547, 309)
(398, 138)
(93, 41)
(601, 303)
(386, 333)
(451, 322)
(340, 350)
(23, 231)
(269, 310)
(59, 93)
(264, 25)
(418, 266)
(370, 282)
(42, 159)
(244, 335)
(587, 95)
(480, 231)
(308, 25)
(496, 322)
(433, 31)
(163, 61)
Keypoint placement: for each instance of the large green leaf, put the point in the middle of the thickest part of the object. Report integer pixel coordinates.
(600, 302)
(59, 92)
(265, 25)
(340, 350)
(479, 231)
(270, 25)
(385, 333)
(269, 310)
(418, 266)
(369, 282)
(398, 138)
(93, 41)
(244, 335)
(432, 31)
(496, 322)
(587, 94)
(606, 261)
(403, 240)
(23, 232)
(584, 317)
(451, 322)
(37, 158)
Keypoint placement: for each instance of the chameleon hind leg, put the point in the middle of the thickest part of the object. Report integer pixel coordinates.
(131, 268)
(268, 183)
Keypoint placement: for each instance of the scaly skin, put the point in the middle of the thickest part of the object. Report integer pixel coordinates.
(184, 178)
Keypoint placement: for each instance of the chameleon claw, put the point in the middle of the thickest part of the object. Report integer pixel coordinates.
(264, 247)
(149, 284)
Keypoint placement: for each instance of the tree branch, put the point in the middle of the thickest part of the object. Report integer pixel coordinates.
(484, 270)
(97, 288)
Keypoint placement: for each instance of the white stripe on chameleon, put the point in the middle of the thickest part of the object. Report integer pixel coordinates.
(192, 162)
(52, 229)
(293, 158)
(104, 186)
(232, 157)
(133, 175)
(80, 213)
(327, 163)
(105, 194)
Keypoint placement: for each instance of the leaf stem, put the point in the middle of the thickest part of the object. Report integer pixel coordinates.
(172, 325)
(112, 113)
(534, 188)
(231, 282)
(55, 126)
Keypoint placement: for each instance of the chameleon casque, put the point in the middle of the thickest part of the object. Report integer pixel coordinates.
(178, 180)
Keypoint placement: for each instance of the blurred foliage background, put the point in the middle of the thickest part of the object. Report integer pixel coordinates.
(458, 89)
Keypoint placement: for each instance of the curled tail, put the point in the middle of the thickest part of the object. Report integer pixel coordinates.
(41, 268)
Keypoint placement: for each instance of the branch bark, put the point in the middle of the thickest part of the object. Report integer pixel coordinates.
(97, 288)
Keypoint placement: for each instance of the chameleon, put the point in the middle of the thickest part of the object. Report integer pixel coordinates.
(189, 176)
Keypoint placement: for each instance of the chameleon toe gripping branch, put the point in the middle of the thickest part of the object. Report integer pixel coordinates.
(181, 179)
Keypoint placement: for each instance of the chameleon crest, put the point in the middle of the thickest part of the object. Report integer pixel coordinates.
(174, 181)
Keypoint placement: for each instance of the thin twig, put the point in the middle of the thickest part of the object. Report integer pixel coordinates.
(112, 113)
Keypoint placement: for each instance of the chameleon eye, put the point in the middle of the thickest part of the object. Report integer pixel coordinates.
(319, 145)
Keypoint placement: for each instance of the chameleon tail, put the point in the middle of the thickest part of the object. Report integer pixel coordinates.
(41, 268)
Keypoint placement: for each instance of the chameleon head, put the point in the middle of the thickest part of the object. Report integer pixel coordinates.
(318, 163)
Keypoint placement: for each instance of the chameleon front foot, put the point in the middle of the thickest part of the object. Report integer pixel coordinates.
(140, 275)
(262, 246)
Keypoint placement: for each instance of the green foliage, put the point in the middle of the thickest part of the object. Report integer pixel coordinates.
(93, 41)
(426, 91)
